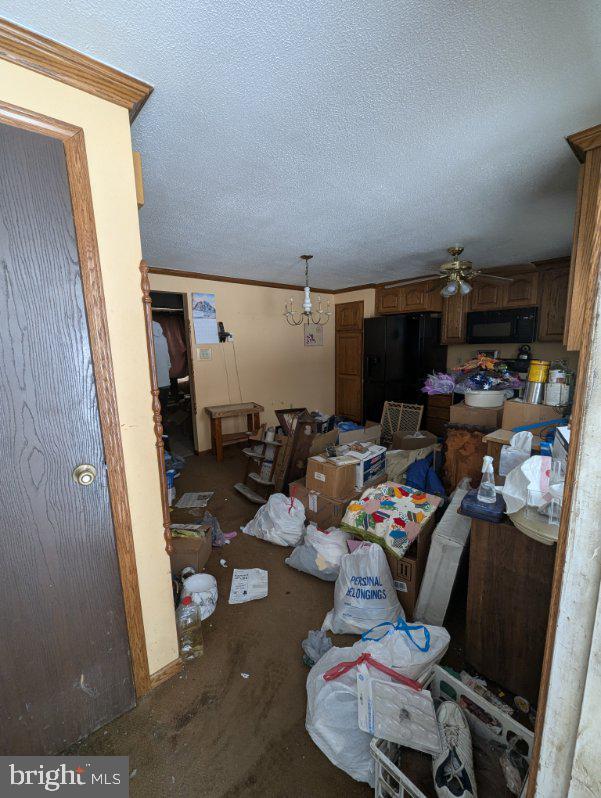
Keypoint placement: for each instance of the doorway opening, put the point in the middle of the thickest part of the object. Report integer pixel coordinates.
(175, 375)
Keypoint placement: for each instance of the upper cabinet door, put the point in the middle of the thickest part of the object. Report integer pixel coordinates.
(454, 310)
(487, 296)
(421, 297)
(553, 304)
(388, 300)
(522, 292)
(349, 316)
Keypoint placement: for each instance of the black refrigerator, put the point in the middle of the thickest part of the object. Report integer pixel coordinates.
(399, 352)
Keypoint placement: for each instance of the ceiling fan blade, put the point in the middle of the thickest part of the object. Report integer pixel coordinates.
(416, 280)
(484, 276)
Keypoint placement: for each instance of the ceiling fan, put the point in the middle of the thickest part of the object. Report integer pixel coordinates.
(458, 275)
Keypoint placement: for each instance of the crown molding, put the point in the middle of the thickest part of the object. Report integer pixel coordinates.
(242, 280)
(59, 62)
(539, 265)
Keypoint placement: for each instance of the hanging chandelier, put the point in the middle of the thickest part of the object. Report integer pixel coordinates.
(307, 316)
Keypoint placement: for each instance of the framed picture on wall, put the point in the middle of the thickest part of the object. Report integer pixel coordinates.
(313, 335)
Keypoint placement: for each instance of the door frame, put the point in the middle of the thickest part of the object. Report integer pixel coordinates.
(93, 294)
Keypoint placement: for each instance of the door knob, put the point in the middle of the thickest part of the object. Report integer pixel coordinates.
(84, 474)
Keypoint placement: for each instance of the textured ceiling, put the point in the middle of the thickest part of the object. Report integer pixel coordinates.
(373, 134)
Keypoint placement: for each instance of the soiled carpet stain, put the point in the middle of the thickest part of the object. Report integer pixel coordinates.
(209, 732)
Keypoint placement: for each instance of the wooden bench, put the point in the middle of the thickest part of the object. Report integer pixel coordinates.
(216, 413)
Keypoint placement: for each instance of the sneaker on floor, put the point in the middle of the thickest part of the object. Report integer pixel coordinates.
(453, 768)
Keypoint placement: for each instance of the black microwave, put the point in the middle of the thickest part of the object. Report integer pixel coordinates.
(511, 326)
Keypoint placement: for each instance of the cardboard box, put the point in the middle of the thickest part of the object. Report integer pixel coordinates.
(415, 440)
(323, 510)
(322, 441)
(490, 417)
(371, 464)
(517, 413)
(319, 509)
(191, 551)
(407, 572)
(333, 477)
(370, 432)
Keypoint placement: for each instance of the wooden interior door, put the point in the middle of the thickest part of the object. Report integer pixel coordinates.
(349, 360)
(65, 660)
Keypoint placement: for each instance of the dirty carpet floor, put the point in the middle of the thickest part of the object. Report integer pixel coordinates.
(209, 731)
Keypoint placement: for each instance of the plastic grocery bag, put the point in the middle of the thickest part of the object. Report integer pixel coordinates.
(320, 552)
(332, 704)
(315, 645)
(280, 521)
(518, 451)
(203, 589)
(364, 593)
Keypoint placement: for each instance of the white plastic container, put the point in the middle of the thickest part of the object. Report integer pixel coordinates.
(391, 782)
(484, 398)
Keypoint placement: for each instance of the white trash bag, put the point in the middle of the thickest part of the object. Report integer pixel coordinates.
(203, 590)
(332, 704)
(280, 521)
(364, 593)
(320, 552)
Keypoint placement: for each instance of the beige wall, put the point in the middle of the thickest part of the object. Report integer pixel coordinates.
(267, 361)
(108, 145)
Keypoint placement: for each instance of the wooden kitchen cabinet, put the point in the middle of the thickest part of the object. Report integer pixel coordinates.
(553, 304)
(509, 594)
(522, 292)
(421, 297)
(388, 300)
(487, 296)
(454, 318)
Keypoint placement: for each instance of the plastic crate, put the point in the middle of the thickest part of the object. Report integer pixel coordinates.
(391, 782)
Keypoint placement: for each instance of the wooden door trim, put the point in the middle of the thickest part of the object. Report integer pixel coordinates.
(156, 405)
(93, 293)
(57, 61)
(581, 143)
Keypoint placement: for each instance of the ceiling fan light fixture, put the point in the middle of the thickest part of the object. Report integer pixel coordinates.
(464, 288)
(450, 289)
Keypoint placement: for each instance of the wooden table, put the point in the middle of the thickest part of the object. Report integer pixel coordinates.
(508, 606)
(218, 412)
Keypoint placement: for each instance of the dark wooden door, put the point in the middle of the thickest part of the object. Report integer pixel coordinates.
(64, 659)
(349, 360)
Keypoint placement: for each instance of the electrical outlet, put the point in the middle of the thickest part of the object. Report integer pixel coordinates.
(204, 353)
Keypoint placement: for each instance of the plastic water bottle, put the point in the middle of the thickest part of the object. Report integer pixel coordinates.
(189, 630)
(486, 491)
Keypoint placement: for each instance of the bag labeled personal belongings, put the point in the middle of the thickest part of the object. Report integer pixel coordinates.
(364, 594)
(280, 521)
(409, 650)
(320, 552)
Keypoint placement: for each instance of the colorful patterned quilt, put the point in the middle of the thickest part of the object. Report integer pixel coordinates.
(390, 514)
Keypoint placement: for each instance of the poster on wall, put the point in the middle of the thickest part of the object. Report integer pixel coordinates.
(313, 335)
(204, 316)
